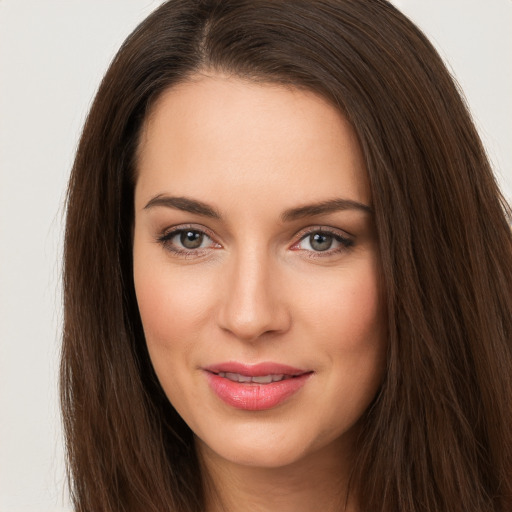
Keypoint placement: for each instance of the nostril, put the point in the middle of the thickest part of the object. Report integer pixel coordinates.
(252, 306)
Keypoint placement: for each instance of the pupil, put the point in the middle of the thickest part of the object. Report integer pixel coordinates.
(320, 241)
(191, 239)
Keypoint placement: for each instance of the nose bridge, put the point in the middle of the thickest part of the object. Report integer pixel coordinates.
(252, 305)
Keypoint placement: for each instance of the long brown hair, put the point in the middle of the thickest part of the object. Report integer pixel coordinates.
(438, 435)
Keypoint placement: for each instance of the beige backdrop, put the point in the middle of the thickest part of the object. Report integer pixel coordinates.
(52, 56)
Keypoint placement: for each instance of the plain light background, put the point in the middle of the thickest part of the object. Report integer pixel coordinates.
(52, 56)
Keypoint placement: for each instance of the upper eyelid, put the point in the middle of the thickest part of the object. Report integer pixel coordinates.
(165, 237)
(183, 227)
(299, 236)
(209, 232)
(323, 229)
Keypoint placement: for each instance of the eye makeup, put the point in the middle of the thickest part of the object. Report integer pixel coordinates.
(188, 241)
(191, 241)
(322, 241)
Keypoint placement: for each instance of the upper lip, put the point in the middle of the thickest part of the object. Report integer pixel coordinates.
(255, 370)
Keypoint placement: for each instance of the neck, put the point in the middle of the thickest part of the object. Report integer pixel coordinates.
(318, 481)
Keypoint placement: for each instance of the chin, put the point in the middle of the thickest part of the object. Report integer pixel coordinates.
(256, 454)
(264, 447)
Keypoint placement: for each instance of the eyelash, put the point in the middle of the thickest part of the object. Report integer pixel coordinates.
(165, 241)
(346, 243)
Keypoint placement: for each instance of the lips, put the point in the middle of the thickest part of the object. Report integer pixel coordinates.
(255, 387)
(262, 379)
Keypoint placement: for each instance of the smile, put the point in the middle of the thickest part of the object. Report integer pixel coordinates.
(263, 379)
(257, 387)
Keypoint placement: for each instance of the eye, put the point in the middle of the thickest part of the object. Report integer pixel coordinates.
(187, 241)
(323, 241)
(190, 239)
(320, 241)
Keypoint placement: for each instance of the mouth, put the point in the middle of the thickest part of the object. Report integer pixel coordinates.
(255, 387)
(263, 379)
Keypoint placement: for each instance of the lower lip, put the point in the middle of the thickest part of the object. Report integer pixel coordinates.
(253, 396)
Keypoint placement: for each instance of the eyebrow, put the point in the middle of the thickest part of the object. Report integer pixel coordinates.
(324, 207)
(185, 204)
(200, 208)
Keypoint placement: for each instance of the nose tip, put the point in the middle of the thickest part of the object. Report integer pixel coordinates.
(253, 305)
(249, 324)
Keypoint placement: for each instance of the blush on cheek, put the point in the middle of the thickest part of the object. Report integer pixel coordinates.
(173, 304)
(353, 309)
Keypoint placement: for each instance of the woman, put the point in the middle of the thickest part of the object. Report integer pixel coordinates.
(287, 272)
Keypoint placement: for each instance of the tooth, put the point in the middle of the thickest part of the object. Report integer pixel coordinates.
(262, 379)
(266, 379)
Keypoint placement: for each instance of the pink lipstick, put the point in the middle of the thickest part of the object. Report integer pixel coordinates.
(255, 387)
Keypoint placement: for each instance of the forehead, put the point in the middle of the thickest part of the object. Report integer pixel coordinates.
(225, 136)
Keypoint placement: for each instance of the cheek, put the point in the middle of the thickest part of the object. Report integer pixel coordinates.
(348, 322)
(353, 334)
(173, 311)
(173, 304)
(349, 308)
(167, 311)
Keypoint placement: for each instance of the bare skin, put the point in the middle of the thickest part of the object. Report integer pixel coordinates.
(297, 487)
(254, 242)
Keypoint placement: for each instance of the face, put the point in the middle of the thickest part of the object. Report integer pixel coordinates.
(256, 268)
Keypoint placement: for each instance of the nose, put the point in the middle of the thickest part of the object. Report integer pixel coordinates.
(253, 302)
